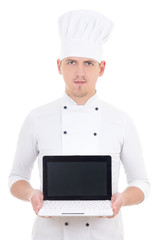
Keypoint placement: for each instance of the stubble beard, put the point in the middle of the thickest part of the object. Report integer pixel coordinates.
(79, 92)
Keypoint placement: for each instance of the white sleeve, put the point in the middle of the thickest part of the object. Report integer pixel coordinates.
(26, 151)
(132, 159)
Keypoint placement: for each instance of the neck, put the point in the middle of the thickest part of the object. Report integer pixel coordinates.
(80, 100)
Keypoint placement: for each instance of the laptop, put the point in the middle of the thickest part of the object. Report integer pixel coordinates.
(77, 185)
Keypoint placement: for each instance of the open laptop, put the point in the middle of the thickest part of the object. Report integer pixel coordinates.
(77, 186)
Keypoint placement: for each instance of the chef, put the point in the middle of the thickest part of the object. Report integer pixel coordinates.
(80, 123)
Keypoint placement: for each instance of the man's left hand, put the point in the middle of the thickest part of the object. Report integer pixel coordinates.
(117, 203)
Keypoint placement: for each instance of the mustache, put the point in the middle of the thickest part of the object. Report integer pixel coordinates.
(80, 79)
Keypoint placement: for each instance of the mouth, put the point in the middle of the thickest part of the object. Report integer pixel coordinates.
(79, 82)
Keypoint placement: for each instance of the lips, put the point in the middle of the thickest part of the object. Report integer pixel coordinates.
(79, 82)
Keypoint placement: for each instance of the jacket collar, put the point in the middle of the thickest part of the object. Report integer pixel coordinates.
(69, 101)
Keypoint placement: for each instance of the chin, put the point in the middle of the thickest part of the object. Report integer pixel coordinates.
(80, 94)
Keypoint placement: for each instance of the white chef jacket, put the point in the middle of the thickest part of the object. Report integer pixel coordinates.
(64, 128)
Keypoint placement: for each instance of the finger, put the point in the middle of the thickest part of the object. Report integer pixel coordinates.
(115, 207)
(42, 197)
(113, 198)
(116, 210)
(117, 204)
(39, 206)
(36, 206)
(101, 216)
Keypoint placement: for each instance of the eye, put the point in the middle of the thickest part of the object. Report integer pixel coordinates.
(71, 62)
(89, 63)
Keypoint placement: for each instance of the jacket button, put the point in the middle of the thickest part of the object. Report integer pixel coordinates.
(65, 132)
(66, 223)
(65, 107)
(95, 134)
(87, 224)
(96, 108)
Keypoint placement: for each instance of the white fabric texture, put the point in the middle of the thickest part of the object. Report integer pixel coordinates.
(43, 134)
(83, 34)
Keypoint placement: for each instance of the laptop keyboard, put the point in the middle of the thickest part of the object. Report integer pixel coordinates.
(53, 205)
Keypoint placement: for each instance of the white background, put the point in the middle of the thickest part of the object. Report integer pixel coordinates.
(29, 48)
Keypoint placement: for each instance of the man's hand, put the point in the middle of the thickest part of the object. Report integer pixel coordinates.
(131, 196)
(117, 203)
(24, 191)
(36, 200)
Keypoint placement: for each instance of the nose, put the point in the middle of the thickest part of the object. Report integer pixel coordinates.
(80, 71)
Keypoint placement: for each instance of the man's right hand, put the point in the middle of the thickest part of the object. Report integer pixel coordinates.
(24, 191)
(36, 200)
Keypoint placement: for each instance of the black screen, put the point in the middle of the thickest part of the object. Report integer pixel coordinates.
(77, 177)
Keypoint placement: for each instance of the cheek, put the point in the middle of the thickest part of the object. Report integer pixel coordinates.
(93, 75)
(68, 72)
(68, 77)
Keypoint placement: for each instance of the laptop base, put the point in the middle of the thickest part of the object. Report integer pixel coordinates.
(76, 208)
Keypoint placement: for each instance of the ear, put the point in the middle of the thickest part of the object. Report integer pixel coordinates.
(59, 66)
(102, 68)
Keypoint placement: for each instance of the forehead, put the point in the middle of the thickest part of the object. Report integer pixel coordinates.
(79, 59)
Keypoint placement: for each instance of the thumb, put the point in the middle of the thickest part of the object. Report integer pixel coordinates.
(114, 201)
(39, 206)
(113, 198)
(41, 197)
(39, 203)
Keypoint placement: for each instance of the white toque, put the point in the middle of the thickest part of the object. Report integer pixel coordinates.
(83, 34)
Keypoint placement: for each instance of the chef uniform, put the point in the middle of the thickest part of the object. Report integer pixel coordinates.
(64, 128)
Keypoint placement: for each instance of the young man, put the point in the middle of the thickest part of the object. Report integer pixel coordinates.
(80, 123)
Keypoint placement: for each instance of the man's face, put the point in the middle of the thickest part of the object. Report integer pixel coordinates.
(80, 75)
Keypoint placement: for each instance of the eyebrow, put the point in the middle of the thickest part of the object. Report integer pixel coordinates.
(91, 61)
(70, 60)
(73, 60)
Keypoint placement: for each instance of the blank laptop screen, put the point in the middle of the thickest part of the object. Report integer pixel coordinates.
(77, 177)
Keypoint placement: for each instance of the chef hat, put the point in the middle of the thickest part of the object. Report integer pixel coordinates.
(83, 33)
